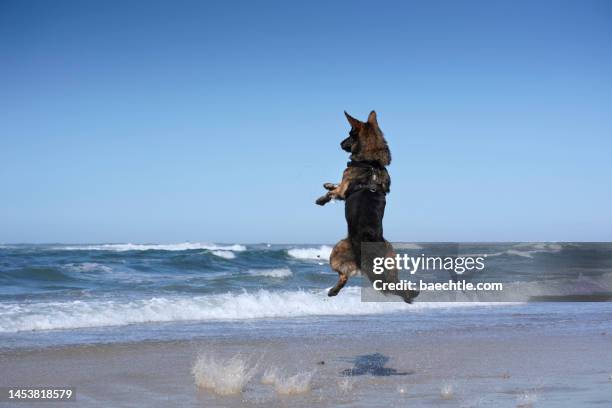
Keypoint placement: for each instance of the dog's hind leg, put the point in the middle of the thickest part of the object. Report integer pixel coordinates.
(342, 279)
(342, 261)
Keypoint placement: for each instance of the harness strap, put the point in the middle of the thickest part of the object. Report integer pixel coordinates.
(374, 184)
(365, 164)
(372, 187)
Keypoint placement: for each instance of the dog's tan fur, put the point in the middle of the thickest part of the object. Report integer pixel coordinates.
(370, 155)
(372, 144)
(372, 147)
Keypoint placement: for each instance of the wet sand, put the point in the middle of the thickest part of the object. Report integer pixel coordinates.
(389, 365)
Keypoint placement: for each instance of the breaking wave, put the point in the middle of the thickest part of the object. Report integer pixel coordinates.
(527, 250)
(406, 245)
(184, 246)
(88, 267)
(224, 254)
(321, 253)
(271, 273)
(15, 317)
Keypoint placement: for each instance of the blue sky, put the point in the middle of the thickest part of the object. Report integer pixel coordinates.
(219, 121)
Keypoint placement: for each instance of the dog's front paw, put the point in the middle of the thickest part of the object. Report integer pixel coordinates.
(323, 200)
(329, 186)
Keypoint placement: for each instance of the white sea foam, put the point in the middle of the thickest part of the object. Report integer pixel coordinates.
(531, 249)
(406, 245)
(223, 377)
(183, 246)
(294, 384)
(228, 306)
(271, 273)
(542, 246)
(527, 250)
(323, 252)
(93, 270)
(224, 254)
(89, 267)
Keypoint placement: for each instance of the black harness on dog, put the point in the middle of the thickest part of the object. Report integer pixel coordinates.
(375, 181)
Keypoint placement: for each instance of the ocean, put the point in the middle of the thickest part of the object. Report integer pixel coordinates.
(58, 294)
(239, 325)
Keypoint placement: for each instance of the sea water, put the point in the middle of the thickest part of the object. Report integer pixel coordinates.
(60, 294)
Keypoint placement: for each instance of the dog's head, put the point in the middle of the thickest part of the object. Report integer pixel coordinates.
(366, 141)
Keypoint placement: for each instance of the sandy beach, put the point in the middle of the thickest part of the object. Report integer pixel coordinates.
(239, 204)
(353, 362)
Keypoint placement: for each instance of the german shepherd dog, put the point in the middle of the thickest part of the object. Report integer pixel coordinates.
(365, 183)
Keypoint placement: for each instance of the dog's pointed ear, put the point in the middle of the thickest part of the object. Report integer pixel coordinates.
(372, 119)
(355, 124)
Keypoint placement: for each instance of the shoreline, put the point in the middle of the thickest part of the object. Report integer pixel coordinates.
(382, 360)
